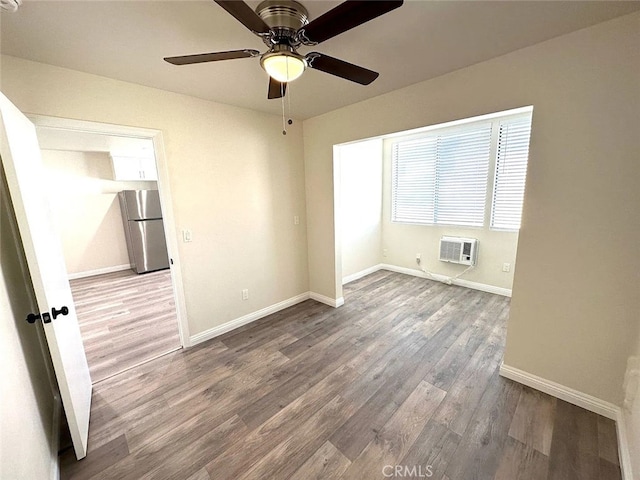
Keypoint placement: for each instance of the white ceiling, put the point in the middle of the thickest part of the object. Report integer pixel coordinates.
(127, 40)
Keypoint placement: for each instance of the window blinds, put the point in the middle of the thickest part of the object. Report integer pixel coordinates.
(442, 178)
(511, 171)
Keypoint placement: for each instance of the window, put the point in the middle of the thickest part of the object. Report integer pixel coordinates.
(441, 178)
(511, 171)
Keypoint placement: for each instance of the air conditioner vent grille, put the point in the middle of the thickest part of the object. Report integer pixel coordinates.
(450, 251)
(459, 250)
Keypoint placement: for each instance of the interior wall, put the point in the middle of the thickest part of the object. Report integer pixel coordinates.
(631, 410)
(360, 206)
(87, 211)
(26, 416)
(236, 182)
(575, 295)
(401, 243)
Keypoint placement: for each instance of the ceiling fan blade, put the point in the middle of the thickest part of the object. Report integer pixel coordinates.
(245, 15)
(340, 68)
(276, 89)
(344, 17)
(211, 57)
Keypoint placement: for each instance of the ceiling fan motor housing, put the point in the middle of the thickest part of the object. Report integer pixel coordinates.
(284, 18)
(283, 15)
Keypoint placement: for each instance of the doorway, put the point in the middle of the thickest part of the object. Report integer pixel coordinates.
(125, 318)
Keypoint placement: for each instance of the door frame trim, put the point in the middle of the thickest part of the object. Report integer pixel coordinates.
(170, 231)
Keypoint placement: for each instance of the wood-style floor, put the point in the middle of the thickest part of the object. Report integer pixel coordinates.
(125, 319)
(402, 380)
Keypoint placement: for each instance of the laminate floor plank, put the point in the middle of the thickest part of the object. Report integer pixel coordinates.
(201, 474)
(96, 461)
(370, 282)
(522, 462)
(483, 442)
(125, 319)
(467, 389)
(358, 284)
(339, 325)
(325, 464)
(532, 422)
(162, 461)
(316, 362)
(266, 328)
(398, 435)
(377, 406)
(227, 396)
(354, 435)
(432, 450)
(404, 376)
(264, 360)
(574, 447)
(284, 459)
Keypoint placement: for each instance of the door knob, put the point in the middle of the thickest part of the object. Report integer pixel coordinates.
(32, 317)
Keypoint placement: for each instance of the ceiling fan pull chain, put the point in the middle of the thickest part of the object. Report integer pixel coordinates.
(290, 121)
(282, 87)
(284, 123)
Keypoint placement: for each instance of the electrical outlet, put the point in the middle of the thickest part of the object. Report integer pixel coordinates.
(296, 220)
(385, 252)
(506, 267)
(245, 294)
(418, 256)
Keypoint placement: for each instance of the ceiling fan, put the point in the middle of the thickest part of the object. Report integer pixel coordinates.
(283, 25)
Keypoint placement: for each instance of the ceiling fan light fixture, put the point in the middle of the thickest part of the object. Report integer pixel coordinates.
(283, 66)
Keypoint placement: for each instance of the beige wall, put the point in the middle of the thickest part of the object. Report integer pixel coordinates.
(87, 210)
(26, 399)
(575, 294)
(236, 182)
(360, 205)
(631, 410)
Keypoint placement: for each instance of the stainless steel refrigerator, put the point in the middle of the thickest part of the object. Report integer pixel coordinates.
(144, 230)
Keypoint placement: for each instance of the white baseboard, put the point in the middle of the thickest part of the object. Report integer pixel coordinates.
(575, 397)
(251, 317)
(483, 287)
(588, 402)
(338, 302)
(99, 271)
(624, 450)
(362, 273)
(55, 438)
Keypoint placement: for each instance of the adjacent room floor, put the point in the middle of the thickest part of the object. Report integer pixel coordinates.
(125, 319)
(403, 376)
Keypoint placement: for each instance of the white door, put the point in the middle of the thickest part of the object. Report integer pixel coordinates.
(29, 189)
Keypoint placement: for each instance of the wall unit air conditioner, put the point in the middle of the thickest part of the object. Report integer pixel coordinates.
(459, 250)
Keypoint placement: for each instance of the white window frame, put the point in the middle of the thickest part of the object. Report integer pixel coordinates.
(459, 126)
